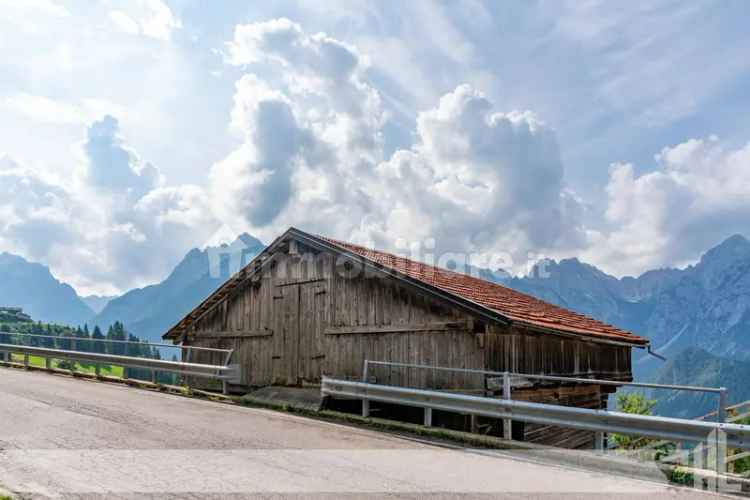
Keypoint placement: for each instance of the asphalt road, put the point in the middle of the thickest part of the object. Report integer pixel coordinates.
(73, 438)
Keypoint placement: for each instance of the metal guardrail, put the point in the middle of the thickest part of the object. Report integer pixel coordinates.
(75, 340)
(226, 373)
(722, 392)
(600, 421)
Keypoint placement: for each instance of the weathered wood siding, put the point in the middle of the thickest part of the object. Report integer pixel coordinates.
(581, 396)
(521, 351)
(303, 319)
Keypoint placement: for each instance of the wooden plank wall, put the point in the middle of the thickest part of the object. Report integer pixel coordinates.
(380, 303)
(581, 396)
(343, 320)
(303, 318)
(521, 351)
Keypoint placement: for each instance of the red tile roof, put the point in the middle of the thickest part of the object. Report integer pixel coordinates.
(516, 306)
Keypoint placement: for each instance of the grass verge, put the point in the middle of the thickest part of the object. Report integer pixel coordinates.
(39, 362)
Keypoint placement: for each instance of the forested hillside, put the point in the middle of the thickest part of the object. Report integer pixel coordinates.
(22, 330)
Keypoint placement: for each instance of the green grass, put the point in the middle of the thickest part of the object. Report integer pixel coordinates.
(37, 361)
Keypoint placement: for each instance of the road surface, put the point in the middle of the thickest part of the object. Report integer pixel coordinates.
(74, 438)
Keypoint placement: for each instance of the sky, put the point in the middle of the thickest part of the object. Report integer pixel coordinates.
(131, 132)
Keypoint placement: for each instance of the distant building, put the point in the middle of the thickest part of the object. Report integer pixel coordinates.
(308, 306)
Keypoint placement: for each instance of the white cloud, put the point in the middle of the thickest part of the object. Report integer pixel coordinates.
(475, 179)
(40, 8)
(124, 23)
(113, 167)
(43, 109)
(113, 228)
(698, 195)
(150, 18)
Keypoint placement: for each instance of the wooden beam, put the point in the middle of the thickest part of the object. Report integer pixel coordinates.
(281, 283)
(231, 334)
(421, 327)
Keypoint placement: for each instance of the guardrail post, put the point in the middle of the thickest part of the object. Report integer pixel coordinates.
(721, 416)
(98, 370)
(365, 401)
(124, 372)
(48, 363)
(428, 417)
(599, 441)
(718, 454)
(26, 361)
(507, 423)
(224, 387)
(153, 376)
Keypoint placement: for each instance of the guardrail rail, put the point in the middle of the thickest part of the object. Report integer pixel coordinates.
(226, 373)
(690, 444)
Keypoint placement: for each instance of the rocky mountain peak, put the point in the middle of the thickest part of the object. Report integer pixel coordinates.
(726, 261)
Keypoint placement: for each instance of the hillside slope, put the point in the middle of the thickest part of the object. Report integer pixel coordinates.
(696, 366)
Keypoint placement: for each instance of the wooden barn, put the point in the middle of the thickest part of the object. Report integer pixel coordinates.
(309, 306)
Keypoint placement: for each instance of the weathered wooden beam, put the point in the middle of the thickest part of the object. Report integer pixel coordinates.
(421, 327)
(282, 283)
(231, 334)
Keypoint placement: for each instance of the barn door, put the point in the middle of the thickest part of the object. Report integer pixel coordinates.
(286, 335)
(312, 308)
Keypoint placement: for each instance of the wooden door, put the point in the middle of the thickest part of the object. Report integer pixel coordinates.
(286, 335)
(312, 306)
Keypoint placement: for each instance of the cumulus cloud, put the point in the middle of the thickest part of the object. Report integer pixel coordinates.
(696, 197)
(114, 228)
(112, 166)
(33, 211)
(475, 179)
(484, 180)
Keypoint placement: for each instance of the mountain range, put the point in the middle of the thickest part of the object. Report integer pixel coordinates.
(697, 317)
(148, 312)
(32, 287)
(706, 305)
